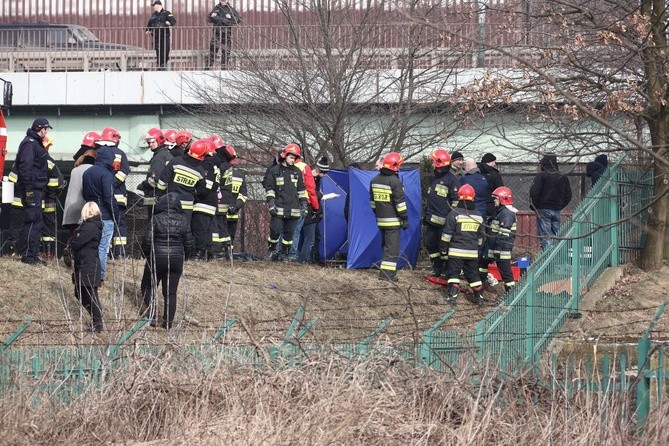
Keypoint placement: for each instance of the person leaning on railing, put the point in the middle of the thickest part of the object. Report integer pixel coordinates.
(159, 25)
(224, 17)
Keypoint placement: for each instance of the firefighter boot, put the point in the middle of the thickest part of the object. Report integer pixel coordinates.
(390, 276)
(200, 255)
(437, 267)
(273, 253)
(451, 294)
(285, 251)
(477, 297)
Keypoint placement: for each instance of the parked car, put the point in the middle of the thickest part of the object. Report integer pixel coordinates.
(61, 47)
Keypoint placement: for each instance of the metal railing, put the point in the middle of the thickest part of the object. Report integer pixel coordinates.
(382, 46)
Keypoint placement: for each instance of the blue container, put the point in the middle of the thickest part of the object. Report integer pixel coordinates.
(523, 262)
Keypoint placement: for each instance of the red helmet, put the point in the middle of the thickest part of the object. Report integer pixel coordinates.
(184, 136)
(90, 139)
(393, 161)
(110, 134)
(231, 153)
(170, 136)
(466, 192)
(156, 134)
(440, 158)
(217, 141)
(504, 194)
(292, 149)
(200, 148)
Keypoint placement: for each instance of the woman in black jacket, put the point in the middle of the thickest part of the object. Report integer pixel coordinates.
(166, 241)
(86, 276)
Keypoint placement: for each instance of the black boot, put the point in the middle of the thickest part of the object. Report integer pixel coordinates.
(437, 267)
(477, 297)
(200, 255)
(390, 276)
(273, 254)
(285, 251)
(451, 294)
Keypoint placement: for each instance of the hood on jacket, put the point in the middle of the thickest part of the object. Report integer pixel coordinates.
(602, 159)
(549, 162)
(105, 158)
(169, 202)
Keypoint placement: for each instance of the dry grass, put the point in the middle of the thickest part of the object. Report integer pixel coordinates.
(177, 400)
(349, 304)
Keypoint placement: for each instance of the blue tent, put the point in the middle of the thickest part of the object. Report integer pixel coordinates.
(361, 241)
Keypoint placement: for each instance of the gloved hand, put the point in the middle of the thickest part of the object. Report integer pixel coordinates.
(405, 224)
(61, 188)
(272, 207)
(317, 216)
(233, 209)
(143, 186)
(30, 198)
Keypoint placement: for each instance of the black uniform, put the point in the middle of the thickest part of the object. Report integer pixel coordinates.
(54, 187)
(499, 244)
(387, 200)
(287, 201)
(159, 28)
(224, 17)
(233, 196)
(441, 195)
(203, 223)
(86, 276)
(463, 235)
(161, 156)
(185, 176)
(31, 168)
(166, 241)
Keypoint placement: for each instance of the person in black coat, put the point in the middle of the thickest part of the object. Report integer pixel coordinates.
(166, 241)
(86, 276)
(595, 169)
(488, 167)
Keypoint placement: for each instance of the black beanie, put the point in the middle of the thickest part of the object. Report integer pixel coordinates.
(323, 164)
(488, 158)
(456, 156)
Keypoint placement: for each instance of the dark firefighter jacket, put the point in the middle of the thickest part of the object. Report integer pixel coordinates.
(284, 189)
(207, 203)
(502, 233)
(463, 232)
(31, 163)
(441, 195)
(386, 196)
(185, 176)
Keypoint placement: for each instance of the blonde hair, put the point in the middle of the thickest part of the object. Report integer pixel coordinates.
(89, 210)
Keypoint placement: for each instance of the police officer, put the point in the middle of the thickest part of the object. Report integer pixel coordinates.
(387, 200)
(32, 168)
(224, 17)
(159, 25)
(441, 195)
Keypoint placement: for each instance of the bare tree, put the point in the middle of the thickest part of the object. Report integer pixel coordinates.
(589, 76)
(328, 93)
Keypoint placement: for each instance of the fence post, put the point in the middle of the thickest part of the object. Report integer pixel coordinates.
(529, 322)
(643, 363)
(14, 336)
(427, 343)
(615, 231)
(576, 253)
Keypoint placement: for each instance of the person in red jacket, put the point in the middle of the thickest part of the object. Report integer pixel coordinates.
(312, 203)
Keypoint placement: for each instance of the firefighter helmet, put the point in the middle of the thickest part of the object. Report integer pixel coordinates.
(440, 158)
(292, 149)
(504, 194)
(155, 134)
(90, 139)
(217, 141)
(110, 134)
(466, 192)
(393, 161)
(184, 136)
(200, 148)
(170, 136)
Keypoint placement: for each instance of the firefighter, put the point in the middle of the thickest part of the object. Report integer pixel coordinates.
(88, 143)
(171, 140)
(233, 196)
(32, 178)
(220, 236)
(110, 137)
(55, 185)
(183, 139)
(312, 205)
(204, 224)
(161, 156)
(441, 196)
(185, 175)
(286, 199)
(462, 237)
(387, 200)
(501, 237)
